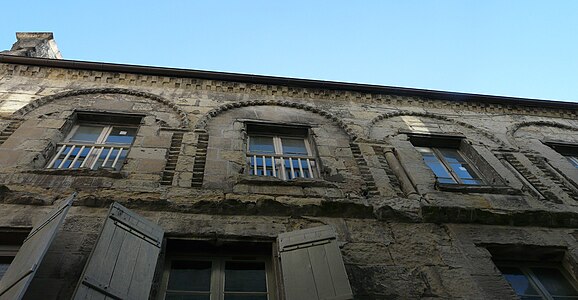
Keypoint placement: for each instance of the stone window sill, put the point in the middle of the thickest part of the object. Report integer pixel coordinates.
(80, 172)
(269, 180)
(486, 189)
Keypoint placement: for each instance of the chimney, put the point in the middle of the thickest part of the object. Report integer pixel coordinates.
(35, 44)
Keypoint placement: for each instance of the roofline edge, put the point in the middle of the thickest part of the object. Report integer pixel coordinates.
(286, 81)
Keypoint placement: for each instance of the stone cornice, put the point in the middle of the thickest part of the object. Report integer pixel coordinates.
(279, 87)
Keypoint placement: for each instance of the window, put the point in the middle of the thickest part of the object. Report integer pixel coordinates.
(569, 151)
(449, 166)
(219, 275)
(7, 253)
(217, 278)
(11, 242)
(96, 141)
(539, 281)
(280, 151)
(443, 155)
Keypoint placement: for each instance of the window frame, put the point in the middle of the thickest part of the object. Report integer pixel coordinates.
(526, 269)
(90, 158)
(306, 164)
(218, 262)
(565, 149)
(447, 166)
(453, 141)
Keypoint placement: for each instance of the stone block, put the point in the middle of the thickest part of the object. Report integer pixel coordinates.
(147, 153)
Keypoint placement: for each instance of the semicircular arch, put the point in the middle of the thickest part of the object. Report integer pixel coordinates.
(432, 116)
(184, 121)
(202, 123)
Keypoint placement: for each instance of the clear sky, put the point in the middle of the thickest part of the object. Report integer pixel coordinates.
(521, 48)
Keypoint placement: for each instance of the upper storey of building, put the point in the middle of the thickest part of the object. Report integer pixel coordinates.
(188, 138)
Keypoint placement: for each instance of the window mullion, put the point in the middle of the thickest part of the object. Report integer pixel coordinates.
(277, 145)
(72, 132)
(536, 282)
(308, 148)
(446, 165)
(104, 134)
(217, 280)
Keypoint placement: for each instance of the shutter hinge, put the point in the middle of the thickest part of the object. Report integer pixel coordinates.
(304, 245)
(102, 288)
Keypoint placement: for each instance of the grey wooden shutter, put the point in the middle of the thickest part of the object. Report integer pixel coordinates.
(21, 271)
(122, 263)
(312, 266)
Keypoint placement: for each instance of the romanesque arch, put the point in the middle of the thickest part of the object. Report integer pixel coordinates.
(184, 121)
(432, 116)
(202, 123)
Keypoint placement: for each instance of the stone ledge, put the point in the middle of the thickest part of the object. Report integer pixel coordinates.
(80, 172)
(454, 214)
(486, 189)
(272, 181)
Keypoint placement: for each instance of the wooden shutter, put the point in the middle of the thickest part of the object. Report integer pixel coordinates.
(122, 263)
(21, 271)
(312, 266)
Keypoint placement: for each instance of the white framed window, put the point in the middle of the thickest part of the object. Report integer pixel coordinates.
(94, 145)
(538, 281)
(218, 278)
(282, 152)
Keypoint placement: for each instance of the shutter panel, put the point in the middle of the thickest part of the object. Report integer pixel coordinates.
(123, 261)
(312, 266)
(21, 271)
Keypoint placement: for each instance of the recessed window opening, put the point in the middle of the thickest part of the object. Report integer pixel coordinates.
(11, 242)
(284, 152)
(443, 156)
(569, 151)
(211, 272)
(534, 272)
(96, 141)
(538, 281)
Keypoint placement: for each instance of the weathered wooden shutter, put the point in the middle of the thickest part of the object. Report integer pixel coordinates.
(122, 263)
(21, 271)
(312, 266)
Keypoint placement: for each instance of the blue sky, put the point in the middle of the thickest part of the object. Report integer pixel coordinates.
(522, 48)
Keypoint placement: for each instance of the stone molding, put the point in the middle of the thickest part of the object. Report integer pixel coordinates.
(184, 121)
(516, 127)
(433, 116)
(275, 90)
(202, 123)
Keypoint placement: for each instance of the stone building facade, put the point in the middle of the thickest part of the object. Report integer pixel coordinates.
(311, 189)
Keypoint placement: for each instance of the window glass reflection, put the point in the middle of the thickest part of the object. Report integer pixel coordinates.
(87, 134)
(261, 144)
(190, 276)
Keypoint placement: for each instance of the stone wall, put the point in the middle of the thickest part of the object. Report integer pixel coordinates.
(402, 235)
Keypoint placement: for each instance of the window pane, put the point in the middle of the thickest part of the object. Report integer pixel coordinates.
(460, 167)
(554, 282)
(121, 135)
(86, 134)
(519, 281)
(573, 160)
(261, 144)
(435, 165)
(190, 276)
(245, 277)
(293, 146)
(245, 297)
(3, 269)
